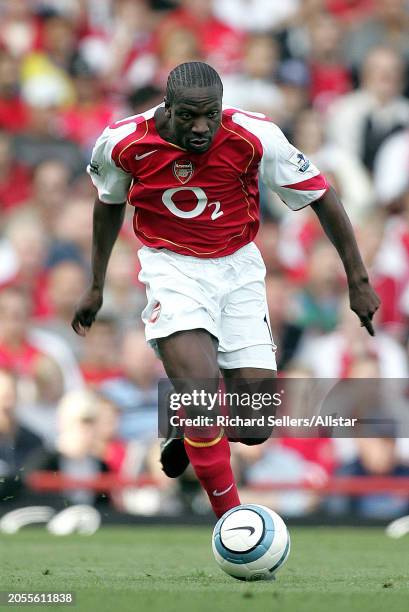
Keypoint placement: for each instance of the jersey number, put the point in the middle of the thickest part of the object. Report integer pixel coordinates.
(202, 202)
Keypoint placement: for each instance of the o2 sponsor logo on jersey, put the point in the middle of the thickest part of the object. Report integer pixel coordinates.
(183, 170)
(201, 203)
(299, 160)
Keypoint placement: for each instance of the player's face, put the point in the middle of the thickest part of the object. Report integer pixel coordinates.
(195, 117)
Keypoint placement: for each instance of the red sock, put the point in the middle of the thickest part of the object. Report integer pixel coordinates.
(211, 462)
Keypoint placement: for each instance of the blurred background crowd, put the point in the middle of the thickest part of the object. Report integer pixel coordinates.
(333, 74)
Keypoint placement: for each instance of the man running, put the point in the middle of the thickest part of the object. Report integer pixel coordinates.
(190, 168)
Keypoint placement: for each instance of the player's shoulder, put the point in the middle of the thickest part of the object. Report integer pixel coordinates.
(253, 125)
(116, 137)
(121, 129)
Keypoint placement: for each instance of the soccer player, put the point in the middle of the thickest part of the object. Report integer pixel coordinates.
(190, 168)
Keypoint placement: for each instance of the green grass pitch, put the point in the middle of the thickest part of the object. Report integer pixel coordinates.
(169, 569)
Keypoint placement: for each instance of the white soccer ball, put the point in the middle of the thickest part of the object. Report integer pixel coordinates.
(251, 542)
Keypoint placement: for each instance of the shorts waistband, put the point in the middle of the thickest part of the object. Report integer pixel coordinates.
(200, 260)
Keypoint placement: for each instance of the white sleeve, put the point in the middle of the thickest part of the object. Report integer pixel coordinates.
(283, 168)
(111, 182)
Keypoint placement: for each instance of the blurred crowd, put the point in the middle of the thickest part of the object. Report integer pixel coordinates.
(333, 74)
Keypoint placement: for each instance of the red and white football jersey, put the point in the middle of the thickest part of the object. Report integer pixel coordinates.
(200, 204)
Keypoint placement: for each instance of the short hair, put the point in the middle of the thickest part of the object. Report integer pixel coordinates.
(190, 75)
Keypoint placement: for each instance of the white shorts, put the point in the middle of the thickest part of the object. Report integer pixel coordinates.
(225, 296)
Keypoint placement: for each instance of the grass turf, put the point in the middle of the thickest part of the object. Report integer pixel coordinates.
(170, 569)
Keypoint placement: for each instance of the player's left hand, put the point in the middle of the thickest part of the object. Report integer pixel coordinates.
(364, 302)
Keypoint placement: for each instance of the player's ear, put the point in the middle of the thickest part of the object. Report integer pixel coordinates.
(167, 107)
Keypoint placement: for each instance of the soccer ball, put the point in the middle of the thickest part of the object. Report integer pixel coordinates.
(251, 542)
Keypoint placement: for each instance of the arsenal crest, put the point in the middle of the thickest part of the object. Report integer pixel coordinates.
(183, 170)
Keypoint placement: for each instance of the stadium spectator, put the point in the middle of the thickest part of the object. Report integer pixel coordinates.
(256, 15)
(329, 77)
(296, 238)
(332, 355)
(316, 303)
(16, 442)
(108, 445)
(135, 391)
(130, 459)
(15, 179)
(286, 332)
(267, 241)
(293, 80)
(66, 281)
(43, 138)
(74, 455)
(20, 28)
(48, 65)
(391, 269)
(351, 12)
(17, 353)
(286, 460)
(99, 360)
(313, 60)
(220, 44)
(360, 121)
(22, 347)
(14, 114)
(342, 168)
(174, 45)
(28, 241)
(38, 412)
(391, 169)
(124, 297)
(50, 191)
(144, 97)
(115, 51)
(383, 241)
(379, 404)
(252, 88)
(376, 456)
(72, 230)
(386, 25)
(91, 112)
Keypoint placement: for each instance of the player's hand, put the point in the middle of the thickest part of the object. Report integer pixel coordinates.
(364, 302)
(86, 311)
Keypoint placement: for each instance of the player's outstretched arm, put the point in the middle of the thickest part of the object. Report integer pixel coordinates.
(337, 226)
(107, 222)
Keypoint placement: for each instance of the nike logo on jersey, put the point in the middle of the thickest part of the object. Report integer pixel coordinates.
(138, 157)
(217, 493)
(251, 529)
